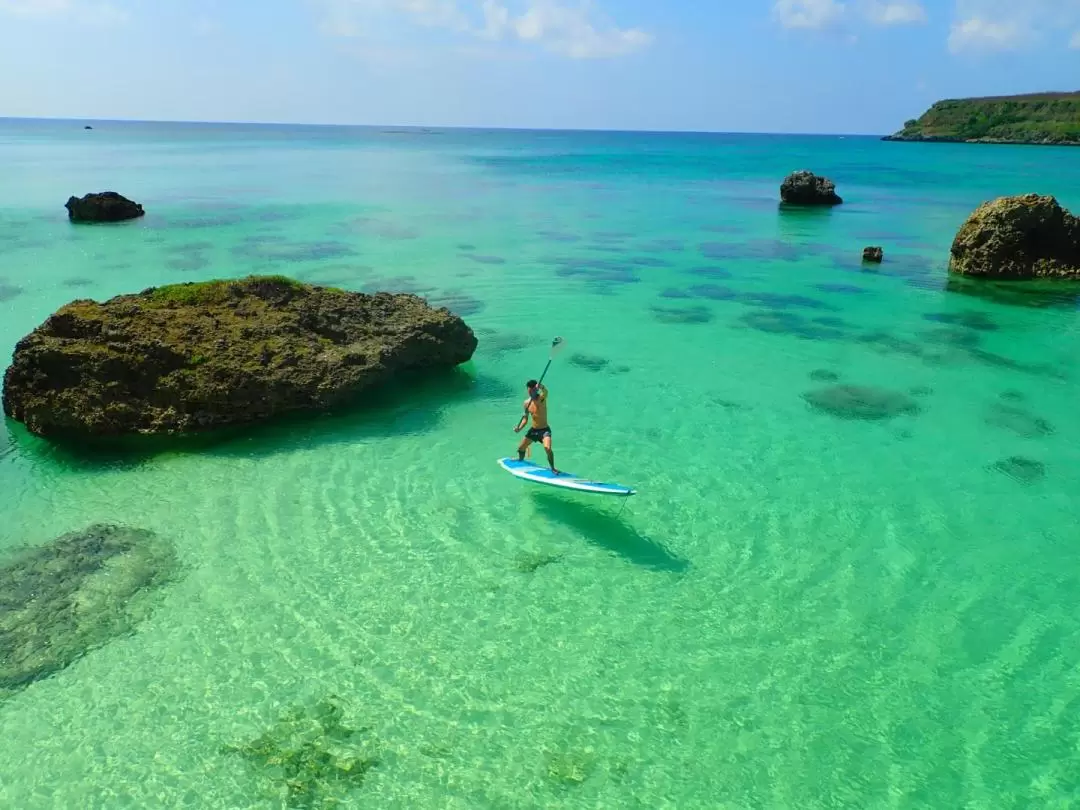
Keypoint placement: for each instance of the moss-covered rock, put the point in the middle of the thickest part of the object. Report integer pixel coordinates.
(192, 357)
(1023, 237)
(106, 206)
(63, 599)
(806, 188)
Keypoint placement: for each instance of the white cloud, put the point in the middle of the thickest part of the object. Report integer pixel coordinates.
(571, 28)
(810, 14)
(1075, 41)
(894, 12)
(979, 34)
(1001, 25)
(95, 13)
(819, 14)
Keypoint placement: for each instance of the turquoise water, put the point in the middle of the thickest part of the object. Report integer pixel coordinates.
(798, 610)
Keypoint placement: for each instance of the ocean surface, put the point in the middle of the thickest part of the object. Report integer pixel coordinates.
(849, 578)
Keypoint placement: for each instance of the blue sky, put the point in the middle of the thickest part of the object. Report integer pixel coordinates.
(851, 66)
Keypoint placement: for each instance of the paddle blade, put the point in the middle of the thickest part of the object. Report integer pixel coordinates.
(557, 345)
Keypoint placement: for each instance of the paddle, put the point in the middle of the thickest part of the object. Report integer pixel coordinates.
(557, 345)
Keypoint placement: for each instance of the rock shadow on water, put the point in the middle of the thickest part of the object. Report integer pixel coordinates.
(610, 533)
(1022, 470)
(66, 598)
(410, 405)
(683, 315)
(1035, 294)
(861, 402)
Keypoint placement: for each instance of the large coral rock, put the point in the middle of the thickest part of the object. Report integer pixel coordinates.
(192, 357)
(1030, 236)
(107, 206)
(806, 188)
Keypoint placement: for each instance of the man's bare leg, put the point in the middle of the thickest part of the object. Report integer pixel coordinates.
(550, 454)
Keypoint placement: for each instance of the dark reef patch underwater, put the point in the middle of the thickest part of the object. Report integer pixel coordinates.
(312, 757)
(61, 600)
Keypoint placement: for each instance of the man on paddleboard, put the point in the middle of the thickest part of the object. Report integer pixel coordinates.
(536, 406)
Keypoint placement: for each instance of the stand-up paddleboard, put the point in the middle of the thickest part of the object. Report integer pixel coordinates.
(543, 475)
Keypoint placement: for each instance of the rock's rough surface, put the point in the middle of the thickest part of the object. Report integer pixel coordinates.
(1029, 236)
(108, 206)
(193, 357)
(873, 254)
(61, 600)
(806, 188)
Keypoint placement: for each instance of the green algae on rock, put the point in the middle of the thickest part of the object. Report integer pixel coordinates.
(1023, 237)
(187, 358)
(63, 599)
(311, 757)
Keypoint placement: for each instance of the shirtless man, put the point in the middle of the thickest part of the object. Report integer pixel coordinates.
(536, 405)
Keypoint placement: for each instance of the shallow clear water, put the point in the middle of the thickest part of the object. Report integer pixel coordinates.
(797, 610)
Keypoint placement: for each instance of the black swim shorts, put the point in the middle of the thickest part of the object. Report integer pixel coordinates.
(538, 434)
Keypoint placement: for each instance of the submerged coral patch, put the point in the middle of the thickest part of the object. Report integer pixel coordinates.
(313, 757)
(977, 321)
(861, 402)
(483, 259)
(9, 291)
(589, 362)
(1023, 470)
(710, 272)
(714, 292)
(1018, 420)
(74, 594)
(696, 314)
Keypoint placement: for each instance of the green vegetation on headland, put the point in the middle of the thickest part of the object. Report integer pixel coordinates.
(1051, 119)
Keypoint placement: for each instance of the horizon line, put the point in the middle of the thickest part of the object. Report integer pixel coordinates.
(455, 127)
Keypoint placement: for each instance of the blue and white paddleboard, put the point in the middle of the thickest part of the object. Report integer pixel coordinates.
(543, 475)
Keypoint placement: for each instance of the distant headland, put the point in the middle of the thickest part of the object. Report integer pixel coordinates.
(1046, 119)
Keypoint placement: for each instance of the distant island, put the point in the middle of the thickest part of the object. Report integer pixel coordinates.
(1049, 119)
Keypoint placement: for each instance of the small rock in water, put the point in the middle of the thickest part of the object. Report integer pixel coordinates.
(107, 206)
(921, 391)
(1024, 470)
(824, 375)
(862, 402)
(806, 188)
(1012, 395)
(873, 254)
